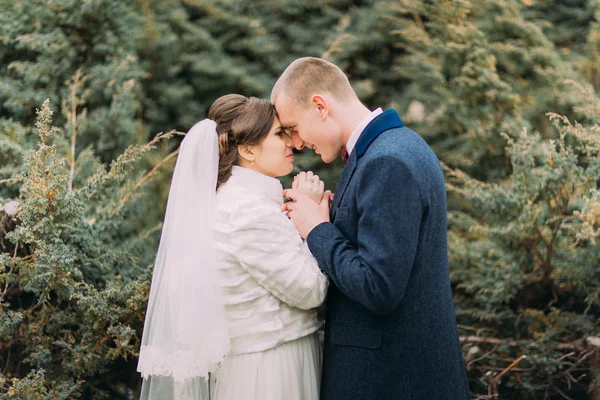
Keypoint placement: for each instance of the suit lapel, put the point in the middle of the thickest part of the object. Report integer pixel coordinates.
(387, 120)
(343, 182)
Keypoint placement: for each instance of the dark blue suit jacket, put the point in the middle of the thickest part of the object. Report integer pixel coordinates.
(390, 328)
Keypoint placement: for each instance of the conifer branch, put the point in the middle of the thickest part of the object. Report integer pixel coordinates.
(74, 100)
(576, 345)
(336, 43)
(131, 154)
(141, 181)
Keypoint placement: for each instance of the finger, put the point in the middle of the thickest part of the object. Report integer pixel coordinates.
(294, 195)
(295, 183)
(316, 186)
(301, 181)
(301, 178)
(321, 186)
(289, 206)
(315, 182)
(325, 199)
(309, 176)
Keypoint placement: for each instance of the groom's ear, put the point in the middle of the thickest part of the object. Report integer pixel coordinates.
(320, 104)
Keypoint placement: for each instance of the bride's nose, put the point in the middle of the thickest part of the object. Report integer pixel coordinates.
(288, 141)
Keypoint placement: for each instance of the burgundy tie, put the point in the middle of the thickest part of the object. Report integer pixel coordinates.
(344, 155)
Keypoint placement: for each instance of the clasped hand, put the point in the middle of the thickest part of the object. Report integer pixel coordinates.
(309, 205)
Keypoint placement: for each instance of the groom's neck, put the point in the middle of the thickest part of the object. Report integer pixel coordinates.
(352, 115)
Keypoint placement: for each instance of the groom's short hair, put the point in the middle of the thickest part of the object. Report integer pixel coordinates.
(309, 75)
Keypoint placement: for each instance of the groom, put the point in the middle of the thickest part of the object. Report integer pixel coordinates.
(390, 326)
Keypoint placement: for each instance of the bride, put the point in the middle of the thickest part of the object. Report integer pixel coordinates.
(232, 308)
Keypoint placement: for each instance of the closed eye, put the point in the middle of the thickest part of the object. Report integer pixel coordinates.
(288, 130)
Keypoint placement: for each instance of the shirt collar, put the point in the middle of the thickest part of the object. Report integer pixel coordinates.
(257, 182)
(361, 127)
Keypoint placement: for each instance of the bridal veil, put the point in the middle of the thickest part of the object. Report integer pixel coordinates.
(185, 333)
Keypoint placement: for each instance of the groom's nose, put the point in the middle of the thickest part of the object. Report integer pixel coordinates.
(298, 143)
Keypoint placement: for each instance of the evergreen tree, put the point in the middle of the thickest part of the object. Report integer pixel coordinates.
(480, 69)
(45, 43)
(524, 256)
(73, 288)
(591, 63)
(565, 23)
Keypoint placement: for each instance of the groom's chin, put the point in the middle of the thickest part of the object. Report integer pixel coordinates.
(329, 158)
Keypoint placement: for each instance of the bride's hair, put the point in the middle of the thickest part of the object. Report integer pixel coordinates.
(240, 121)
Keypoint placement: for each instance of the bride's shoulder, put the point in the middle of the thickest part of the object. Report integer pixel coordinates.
(234, 198)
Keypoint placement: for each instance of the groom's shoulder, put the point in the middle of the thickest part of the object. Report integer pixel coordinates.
(401, 143)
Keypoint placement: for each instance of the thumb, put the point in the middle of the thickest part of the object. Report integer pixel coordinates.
(325, 199)
(293, 194)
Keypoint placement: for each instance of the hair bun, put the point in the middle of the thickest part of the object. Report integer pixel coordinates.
(240, 120)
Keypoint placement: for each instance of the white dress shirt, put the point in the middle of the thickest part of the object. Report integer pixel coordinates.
(361, 127)
(271, 283)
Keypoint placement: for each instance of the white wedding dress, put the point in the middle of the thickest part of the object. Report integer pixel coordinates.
(289, 371)
(272, 286)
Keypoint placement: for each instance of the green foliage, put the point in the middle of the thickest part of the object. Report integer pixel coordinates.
(525, 257)
(73, 287)
(45, 42)
(34, 387)
(563, 22)
(480, 69)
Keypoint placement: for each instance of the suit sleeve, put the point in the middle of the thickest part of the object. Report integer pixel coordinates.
(269, 248)
(375, 270)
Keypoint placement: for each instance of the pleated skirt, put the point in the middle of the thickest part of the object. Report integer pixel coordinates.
(291, 371)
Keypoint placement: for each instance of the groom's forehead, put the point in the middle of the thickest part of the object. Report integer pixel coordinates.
(288, 111)
(285, 105)
(286, 116)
